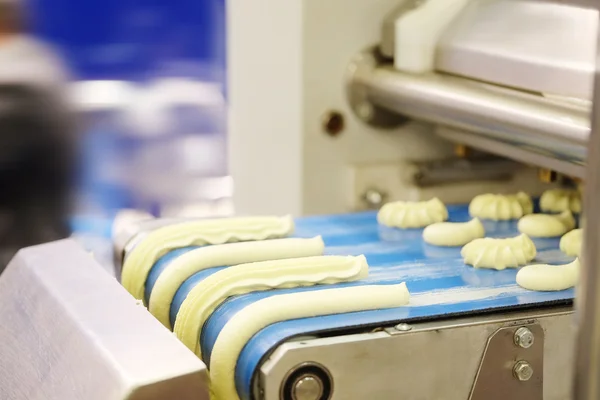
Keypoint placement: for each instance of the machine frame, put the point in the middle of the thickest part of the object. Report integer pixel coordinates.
(475, 357)
(70, 331)
(327, 171)
(313, 171)
(303, 143)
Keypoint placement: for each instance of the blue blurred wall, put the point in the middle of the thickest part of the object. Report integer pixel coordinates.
(134, 39)
(127, 40)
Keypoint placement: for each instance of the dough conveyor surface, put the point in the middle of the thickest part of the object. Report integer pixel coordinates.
(441, 285)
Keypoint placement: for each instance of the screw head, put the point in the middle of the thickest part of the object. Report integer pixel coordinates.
(523, 338)
(403, 327)
(308, 387)
(374, 198)
(523, 371)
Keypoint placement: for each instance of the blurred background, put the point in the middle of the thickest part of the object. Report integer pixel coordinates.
(146, 83)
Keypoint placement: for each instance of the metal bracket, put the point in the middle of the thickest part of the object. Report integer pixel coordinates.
(458, 170)
(512, 366)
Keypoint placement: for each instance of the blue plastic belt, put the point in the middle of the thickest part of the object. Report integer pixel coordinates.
(394, 256)
(159, 266)
(185, 289)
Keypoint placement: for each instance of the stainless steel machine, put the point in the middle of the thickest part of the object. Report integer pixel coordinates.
(360, 105)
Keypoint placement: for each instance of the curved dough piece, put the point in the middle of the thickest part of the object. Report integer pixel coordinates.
(547, 278)
(249, 321)
(559, 200)
(201, 232)
(570, 243)
(546, 225)
(453, 233)
(205, 297)
(410, 214)
(499, 253)
(500, 207)
(186, 265)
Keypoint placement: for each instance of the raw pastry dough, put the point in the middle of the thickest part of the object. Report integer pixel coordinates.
(559, 200)
(200, 232)
(499, 253)
(570, 243)
(205, 297)
(547, 225)
(453, 233)
(249, 321)
(186, 265)
(499, 207)
(409, 214)
(546, 278)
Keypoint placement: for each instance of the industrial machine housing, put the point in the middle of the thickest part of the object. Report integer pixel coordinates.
(337, 108)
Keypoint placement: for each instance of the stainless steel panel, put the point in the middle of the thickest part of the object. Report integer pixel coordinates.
(509, 370)
(530, 45)
(433, 360)
(587, 365)
(69, 331)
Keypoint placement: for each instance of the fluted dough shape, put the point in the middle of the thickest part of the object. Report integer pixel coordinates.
(246, 323)
(546, 225)
(186, 265)
(453, 233)
(499, 253)
(500, 207)
(205, 297)
(559, 200)
(410, 214)
(547, 278)
(139, 261)
(570, 243)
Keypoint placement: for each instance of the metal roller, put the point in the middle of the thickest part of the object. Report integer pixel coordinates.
(554, 128)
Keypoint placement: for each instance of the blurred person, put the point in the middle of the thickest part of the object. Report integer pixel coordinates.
(37, 139)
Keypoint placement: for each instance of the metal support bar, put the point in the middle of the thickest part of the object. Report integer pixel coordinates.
(587, 346)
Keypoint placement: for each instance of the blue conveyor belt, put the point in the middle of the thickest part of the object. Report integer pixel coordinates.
(439, 282)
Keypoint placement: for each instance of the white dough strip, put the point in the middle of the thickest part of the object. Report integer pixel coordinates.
(205, 297)
(140, 260)
(186, 265)
(548, 278)
(451, 234)
(257, 316)
(570, 243)
(546, 225)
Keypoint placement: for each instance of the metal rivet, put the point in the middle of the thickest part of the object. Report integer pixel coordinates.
(523, 371)
(523, 338)
(365, 111)
(403, 327)
(333, 123)
(308, 387)
(374, 198)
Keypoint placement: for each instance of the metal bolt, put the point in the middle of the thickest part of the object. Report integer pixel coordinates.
(374, 198)
(547, 175)
(403, 327)
(365, 111)
(523, 371)
(523, 338)
(308, 387)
